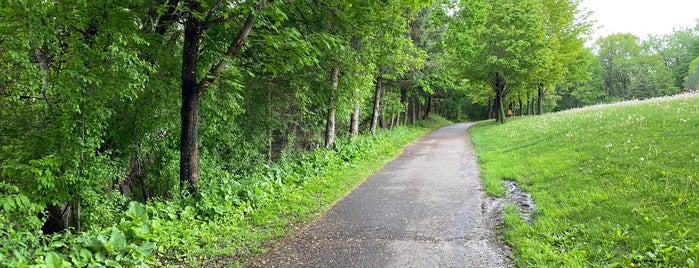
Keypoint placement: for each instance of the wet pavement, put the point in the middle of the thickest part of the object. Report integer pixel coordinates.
(426, 208)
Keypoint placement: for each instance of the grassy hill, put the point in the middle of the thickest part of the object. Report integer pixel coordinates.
(614, 185)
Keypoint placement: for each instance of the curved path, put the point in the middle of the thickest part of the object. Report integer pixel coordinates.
(426, 208)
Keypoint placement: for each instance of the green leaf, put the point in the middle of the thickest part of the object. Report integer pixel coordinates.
(117, 240)
(90, 242)
(112, 263)
(137, 212)
(100, 257)
(81, 258)
(146, 248)
(53, 260)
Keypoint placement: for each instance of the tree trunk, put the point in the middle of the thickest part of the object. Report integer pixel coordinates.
(412, 107)
(354, 120)
(192, 91)
(382, 114)
(428, 106)
(330, 126)
(405, 113)
(189, 112)
(269, 118)
(528, 101)
(377, 102)
(520, 107)
(539, 98)
(418, 111)
(404, 103)
(499, 98)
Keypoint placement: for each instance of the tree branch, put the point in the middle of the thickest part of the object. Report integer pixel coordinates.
(167, 18)
(233, 49)
(208, 21)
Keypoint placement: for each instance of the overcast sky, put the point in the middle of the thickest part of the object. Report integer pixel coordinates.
(641, 17)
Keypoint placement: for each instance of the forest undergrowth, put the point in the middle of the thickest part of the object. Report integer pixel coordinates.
(231, 221)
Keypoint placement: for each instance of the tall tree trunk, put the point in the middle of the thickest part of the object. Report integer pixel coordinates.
(405, 113)
(354, 122)
(418, 109)
(192, 91)
(499, 98)
(189, 137)
(382, 114)
(269, 118)
(528, 101)
(330, 126)
(404, 103)
(412, 109)
(189, 112)
(377, 104)
(539, 98)
(520, 107)
(428, 106)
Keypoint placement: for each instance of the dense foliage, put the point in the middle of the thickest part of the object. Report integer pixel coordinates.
(96, 166)
(114, 114)
(614, 185)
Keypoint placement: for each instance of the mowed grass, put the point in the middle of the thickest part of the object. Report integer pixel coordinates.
(614, 185)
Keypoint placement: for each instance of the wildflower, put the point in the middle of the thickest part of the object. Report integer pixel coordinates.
(609, 145)
(642, 159)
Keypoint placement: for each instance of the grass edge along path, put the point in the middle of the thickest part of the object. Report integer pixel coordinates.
(298, 206)
(614, 185)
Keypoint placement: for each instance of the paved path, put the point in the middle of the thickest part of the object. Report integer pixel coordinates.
(426, 208)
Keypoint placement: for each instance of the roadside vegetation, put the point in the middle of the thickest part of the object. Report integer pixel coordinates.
(615, 185)
(232, 221)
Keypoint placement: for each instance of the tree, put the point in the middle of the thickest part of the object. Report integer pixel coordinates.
(617, 53)
(388, 46)
(198, 20)
(498, 43)
(73, 71)
(562, 62)
(692, 78)
(588, 90)
(678, 49)
(633, 69)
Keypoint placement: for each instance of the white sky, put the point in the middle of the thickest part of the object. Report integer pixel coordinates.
(641, 17)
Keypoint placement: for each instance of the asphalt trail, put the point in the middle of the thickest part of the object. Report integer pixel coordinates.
(426, 208)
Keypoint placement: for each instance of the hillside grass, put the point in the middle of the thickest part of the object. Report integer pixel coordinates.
(614, 185)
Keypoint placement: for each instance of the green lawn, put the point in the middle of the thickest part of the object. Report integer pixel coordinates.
(614, 185)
